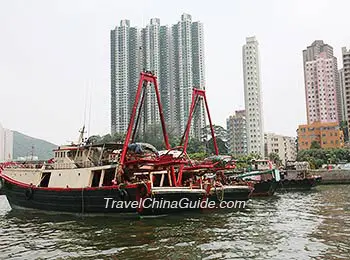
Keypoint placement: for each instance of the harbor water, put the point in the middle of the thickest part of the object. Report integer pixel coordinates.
(295, 225)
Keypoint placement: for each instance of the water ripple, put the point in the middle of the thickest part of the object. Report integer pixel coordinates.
(301, 225)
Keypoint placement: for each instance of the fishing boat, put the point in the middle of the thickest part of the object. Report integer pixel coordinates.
(296, 177)
(79, 179)
(265, 182)
(88, 178)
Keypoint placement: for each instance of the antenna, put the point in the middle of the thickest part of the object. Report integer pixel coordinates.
(86, 95)
(89, 123)
(81, 136)
(82, 131)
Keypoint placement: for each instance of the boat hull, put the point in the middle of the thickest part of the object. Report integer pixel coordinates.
(173, 200)
(81, 201)
(264, 188)
(298, 184)
(230, 193)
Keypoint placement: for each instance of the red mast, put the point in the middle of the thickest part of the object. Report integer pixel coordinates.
(145, 78)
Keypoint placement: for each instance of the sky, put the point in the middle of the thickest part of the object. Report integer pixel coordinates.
(55, 57)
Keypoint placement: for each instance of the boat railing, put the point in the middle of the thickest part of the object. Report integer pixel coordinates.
(73, 165)
(16, 165)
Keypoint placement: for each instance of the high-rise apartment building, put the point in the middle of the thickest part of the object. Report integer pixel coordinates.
(323, 96)
(345, 82)
(237, 133)
(344, 114)
(175, 54)
(252, 96)
(198, 75)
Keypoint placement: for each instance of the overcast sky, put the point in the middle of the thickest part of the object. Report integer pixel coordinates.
(52, 53)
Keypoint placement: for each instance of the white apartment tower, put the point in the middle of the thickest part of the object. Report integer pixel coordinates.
(151, 61)
(175, 54)
(252, 96)
(344, 112)
(188, 48)
(345, 80)
(124, 57)
(198, 73)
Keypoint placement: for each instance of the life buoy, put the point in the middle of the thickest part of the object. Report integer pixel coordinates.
(28, 193)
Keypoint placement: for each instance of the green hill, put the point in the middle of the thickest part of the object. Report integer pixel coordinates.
(23, 145)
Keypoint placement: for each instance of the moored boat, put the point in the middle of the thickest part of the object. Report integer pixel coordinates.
(72, 182)
(265, 181)
(106, 178)
(294, 180)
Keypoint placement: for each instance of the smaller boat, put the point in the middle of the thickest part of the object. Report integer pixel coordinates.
(262, 175)
(297, 181)
(265, 182)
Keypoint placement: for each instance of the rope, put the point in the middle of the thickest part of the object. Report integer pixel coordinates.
(82, 201)
(222, 194)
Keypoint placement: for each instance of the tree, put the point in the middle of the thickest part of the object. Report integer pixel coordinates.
(153, 135)
(222, 146)
(221, 139)
(195, 146)
(274, 157)
(315, 145)
(94, 139)
(219, 132)
(118, 137)
(318, 157)
(244, 162)
(107, 138)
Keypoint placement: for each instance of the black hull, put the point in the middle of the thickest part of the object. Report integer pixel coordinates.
(229, 194)
(76, 201)
(184, 202)
(264, 188)
(298, 184)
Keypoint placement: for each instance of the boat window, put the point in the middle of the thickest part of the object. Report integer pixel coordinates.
(109, 176)
(96, 178)
(156, 179)
(45, 179)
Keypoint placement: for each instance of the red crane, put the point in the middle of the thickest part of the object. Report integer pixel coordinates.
(145, 78)
(197, 96)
